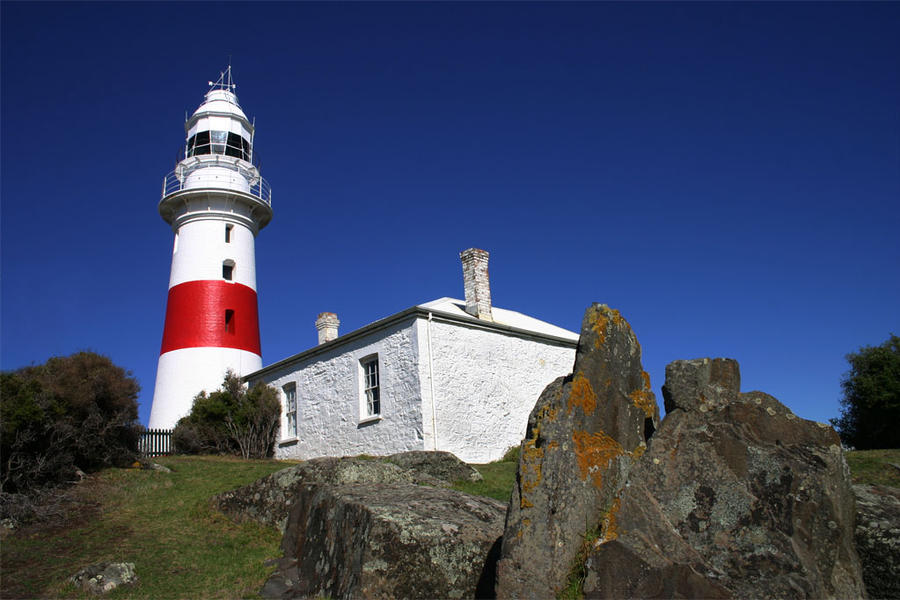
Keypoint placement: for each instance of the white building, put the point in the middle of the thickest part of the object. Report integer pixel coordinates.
(460, 376)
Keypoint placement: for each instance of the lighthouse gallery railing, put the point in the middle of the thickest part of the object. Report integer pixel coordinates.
(176, 180)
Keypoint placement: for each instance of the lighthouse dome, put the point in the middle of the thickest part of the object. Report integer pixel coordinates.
(222, 102)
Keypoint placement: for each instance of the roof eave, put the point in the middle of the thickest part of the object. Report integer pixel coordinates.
(414, 312)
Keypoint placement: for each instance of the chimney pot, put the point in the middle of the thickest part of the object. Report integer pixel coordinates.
(327, 324)
(477, 283)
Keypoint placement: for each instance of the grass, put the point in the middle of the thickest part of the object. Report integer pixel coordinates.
(159, 521)
(875, 466)
(498, 478)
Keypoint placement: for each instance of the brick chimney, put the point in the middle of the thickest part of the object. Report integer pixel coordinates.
(327, 324)
(476, 283)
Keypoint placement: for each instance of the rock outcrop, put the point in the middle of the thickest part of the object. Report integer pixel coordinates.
(731, 496)
(583, 435)
(878, 538)
(735, 497)
(105, 577)
(387, 541)
(269, 500)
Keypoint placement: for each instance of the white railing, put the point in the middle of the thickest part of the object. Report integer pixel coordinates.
(184, 178)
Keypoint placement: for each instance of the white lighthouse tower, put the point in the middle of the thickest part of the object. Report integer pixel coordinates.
(216, 202)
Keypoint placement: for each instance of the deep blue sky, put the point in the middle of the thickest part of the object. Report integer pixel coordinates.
(727, 175)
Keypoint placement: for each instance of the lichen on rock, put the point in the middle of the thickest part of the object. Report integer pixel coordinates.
(735, 497)
(582, 436)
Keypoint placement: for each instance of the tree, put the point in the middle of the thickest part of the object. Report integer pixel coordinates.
(870, 408)
(72, 412)
(231, 420)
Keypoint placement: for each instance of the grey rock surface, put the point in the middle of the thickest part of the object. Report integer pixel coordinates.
(701, 384)
(384, 540)
(878, 538)
(269, 500)
(105, 577)
(736, 497)
(583, 435)
(444, 466)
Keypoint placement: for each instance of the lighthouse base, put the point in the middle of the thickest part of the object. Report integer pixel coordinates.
(184, 373)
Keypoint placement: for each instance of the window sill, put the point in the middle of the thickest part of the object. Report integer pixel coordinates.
(372, 419)
(288, 442)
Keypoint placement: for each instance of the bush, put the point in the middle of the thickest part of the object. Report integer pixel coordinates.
(74, 412)
(512, 455)
(231, 420)
(870, 408)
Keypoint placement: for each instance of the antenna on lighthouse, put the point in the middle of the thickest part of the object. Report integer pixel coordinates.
(224, 82)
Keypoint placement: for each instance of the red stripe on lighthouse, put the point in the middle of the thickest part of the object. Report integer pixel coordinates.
(196, 317)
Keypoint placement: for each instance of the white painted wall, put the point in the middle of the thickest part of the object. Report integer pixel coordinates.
(329, 389)
(183, 373)
(201, 249)
(485, 385)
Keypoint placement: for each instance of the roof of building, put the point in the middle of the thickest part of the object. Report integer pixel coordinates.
(450, 310)
(501, 316)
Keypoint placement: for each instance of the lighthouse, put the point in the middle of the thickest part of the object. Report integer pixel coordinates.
(216, 202)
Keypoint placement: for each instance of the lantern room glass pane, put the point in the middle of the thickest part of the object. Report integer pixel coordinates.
(219, 142)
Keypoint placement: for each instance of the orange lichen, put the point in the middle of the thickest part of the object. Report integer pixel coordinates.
(600, 323)
(530, 474)
(593, 453)
(609, 528)
(548, 413)
(639, 451)
(582, 394)
(644, 400)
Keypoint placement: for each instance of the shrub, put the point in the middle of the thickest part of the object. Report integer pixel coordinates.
(231, 420)
(73, 412)
(870, 407)
(512, 455)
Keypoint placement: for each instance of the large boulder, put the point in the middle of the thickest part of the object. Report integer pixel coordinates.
(878, 538)
(388, 541)
(583, 435)
(736, 497)
(269, 499)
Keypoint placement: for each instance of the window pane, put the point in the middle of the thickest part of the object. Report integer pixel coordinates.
(371, 389)
(198, 143)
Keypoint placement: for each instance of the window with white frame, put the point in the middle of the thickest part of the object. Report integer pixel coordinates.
(371, 389)
(290, 409)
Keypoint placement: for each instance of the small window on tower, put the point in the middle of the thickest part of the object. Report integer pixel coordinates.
(228, 229)
(229, 320)
(228, 270)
